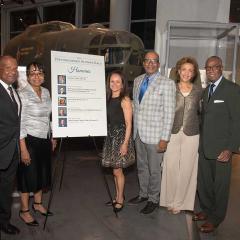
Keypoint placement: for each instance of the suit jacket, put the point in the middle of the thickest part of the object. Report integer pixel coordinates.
(9, 128)
(153, 117)
(220, 125)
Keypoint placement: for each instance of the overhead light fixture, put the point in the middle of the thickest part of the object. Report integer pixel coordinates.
(1, 2)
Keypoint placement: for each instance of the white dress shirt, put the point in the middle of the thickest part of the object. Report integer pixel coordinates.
(6, 86)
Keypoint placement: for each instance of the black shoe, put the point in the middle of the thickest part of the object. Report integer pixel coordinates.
(42, 213)
(150, 207)
(9, 229)
(33, 223)
(110, 203)
(118, 209)
(136, 200)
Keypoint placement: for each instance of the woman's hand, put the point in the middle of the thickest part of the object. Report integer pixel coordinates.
(123, 149)
(25, 157)
(54, 144)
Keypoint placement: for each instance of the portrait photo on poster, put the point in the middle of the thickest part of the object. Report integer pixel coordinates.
(61, 89)
(62, 111)
(61, 79)
(62, 101)
(62, 122)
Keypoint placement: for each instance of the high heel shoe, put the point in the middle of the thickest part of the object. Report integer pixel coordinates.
(113, 202)
(33, 223)
(110, 203)
(48, 213)
(118, 209)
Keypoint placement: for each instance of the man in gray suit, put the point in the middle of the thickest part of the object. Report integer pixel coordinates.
(154, 109)
(219, 138)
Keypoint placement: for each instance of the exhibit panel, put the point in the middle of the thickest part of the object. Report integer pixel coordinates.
(202, 40)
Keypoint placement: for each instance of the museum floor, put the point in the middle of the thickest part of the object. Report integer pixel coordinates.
(80, 214)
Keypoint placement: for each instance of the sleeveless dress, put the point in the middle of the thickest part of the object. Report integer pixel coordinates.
(116, 134)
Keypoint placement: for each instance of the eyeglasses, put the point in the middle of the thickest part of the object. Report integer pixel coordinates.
(213, 68)
(152, 61)
(36, 74)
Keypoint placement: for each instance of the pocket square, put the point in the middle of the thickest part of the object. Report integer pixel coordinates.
(218, 101)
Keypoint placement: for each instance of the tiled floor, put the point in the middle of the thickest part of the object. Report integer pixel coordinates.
(80, 214)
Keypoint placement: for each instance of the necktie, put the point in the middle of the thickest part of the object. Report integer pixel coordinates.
(143, 89)
(210, 91)
(13, 98)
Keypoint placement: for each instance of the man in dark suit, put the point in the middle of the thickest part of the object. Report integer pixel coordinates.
(219, 138)
(10, 108)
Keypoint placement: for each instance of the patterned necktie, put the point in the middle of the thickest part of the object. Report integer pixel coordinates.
(143, 89)
(210, 91)
(13, 98)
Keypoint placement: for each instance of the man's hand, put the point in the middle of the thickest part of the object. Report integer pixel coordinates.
(162, 146)
(224, 156)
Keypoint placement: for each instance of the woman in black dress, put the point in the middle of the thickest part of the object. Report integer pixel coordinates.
(34, 173)
(118, 150)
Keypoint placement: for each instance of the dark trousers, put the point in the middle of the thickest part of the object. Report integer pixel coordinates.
(7, 177)
(213, 188)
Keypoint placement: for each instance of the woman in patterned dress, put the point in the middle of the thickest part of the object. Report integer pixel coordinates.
(118, 150)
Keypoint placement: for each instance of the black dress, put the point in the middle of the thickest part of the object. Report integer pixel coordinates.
(37, 175)
(116, 134)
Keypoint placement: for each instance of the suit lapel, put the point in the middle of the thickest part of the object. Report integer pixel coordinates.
(216, 93)
(138, 88)
(214, 96)
(8, 99)
(150, 88)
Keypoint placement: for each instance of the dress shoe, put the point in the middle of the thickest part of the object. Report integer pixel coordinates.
(48, 213)
(116, 208)
(201, 216)
(150, 207)
(136, 200)
(110, 203)
(33, 223)
(207, 227)
(9, 229)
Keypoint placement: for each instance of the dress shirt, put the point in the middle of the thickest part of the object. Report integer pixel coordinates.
(151, 77)
(216, 83)
(6, 86)
(35, 113)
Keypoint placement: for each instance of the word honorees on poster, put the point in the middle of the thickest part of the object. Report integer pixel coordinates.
(78, 95)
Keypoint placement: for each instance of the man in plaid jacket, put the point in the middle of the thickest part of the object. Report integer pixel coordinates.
(154, 109)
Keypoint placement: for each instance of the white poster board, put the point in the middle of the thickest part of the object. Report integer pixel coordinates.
(78, 95)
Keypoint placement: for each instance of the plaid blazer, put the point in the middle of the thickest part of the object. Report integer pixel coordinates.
(153, 117)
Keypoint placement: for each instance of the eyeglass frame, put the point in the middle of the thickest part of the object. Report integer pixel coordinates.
(149, 60)
(34, 73)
